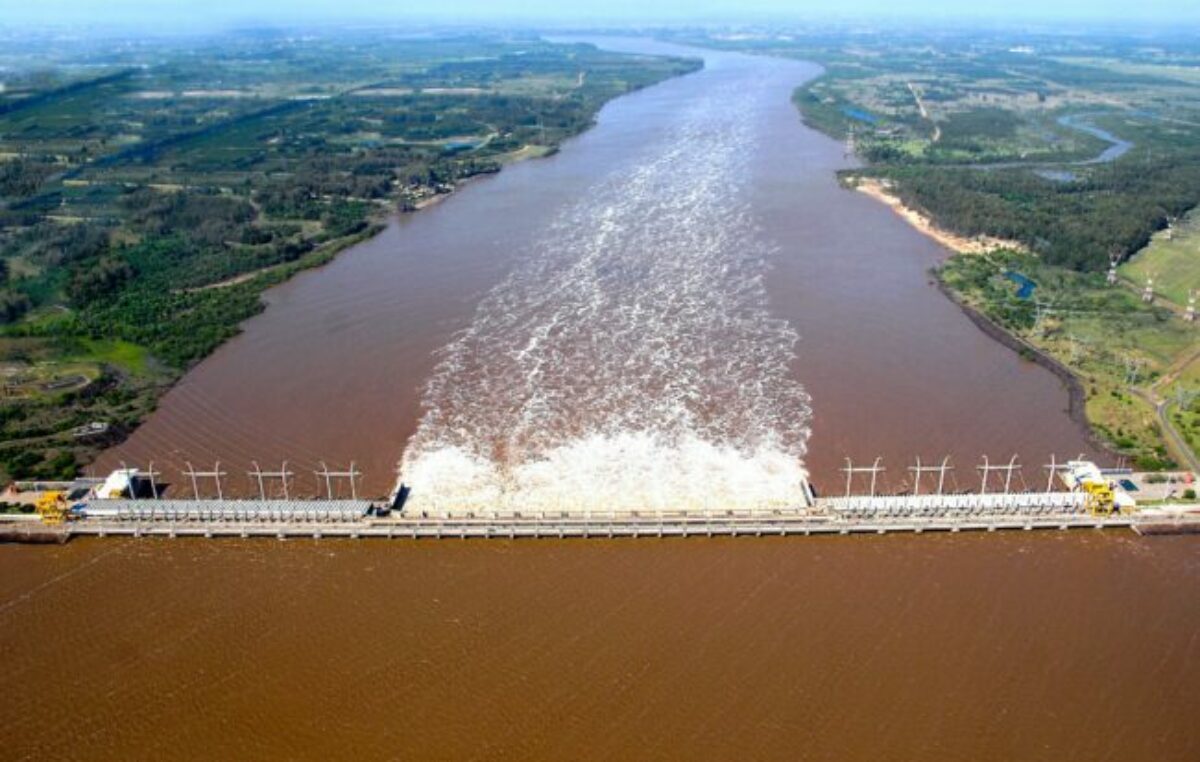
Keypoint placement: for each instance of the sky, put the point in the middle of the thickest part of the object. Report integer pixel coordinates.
(224, 12)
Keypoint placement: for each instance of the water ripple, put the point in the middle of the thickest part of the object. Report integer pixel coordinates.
(630, 361)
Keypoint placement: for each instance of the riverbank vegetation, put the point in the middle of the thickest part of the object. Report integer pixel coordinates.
(148, 196)
(1126, 353)
(1077, 146)
(1079, 149)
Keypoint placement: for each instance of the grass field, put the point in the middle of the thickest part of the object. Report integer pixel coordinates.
(1183, 396)
(1172, 259)
(123, 355)
(1112, 342)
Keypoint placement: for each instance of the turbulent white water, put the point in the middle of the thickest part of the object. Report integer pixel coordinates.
(629, 363)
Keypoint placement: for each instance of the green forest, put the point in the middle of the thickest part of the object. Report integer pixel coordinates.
(147, 198)
(1004, 134)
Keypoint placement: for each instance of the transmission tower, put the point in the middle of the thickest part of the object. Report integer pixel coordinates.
(1148, 290)
(987, 468)
(1133, 370)
(939, 469)
(283, 475)
(216, 475)
(1185, 397)
(1073, 347)
(1113, 260)
(150, 476)
(1052, 469)
(1041, 311)
(350, 475)
(874, 470)
(1190, 314)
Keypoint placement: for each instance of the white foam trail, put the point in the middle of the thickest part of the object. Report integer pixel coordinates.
(629, 362)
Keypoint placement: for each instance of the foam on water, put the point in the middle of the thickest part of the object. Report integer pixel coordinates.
(630, 361)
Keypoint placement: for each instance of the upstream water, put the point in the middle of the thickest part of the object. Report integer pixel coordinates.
(990, 648)
(681, 309)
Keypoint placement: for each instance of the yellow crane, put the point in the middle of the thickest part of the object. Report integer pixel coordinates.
(1101, 500)
(53, 507)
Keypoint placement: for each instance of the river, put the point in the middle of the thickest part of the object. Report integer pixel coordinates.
(819, 330)
(987, 647)
(682, 307)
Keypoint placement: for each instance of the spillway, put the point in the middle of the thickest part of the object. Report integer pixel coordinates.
(629, 361)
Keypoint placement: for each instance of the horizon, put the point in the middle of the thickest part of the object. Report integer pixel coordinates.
(1164, 15)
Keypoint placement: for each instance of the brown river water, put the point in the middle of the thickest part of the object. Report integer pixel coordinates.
(689, 267)
(699, 215)
(1073, 646)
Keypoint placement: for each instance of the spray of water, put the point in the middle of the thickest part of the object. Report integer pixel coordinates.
(629, 362)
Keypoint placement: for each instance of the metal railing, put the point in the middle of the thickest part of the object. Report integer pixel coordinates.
(247, 511)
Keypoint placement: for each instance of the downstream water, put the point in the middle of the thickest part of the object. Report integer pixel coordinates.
(682, 308)
(683, 300)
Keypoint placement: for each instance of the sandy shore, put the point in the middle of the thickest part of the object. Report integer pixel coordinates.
(882, 192)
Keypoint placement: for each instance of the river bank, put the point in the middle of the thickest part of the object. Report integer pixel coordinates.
(881, 191)
(1076, 391)
(1108, 426)
(1124, 355)
(961, 245)
(185, 225)
(356, 346)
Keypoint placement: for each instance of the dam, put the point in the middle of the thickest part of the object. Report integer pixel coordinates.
(247, 519)
(680, 321)
(1078, 494)
(1025, 634)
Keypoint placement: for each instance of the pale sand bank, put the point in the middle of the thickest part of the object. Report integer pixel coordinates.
(881, 191)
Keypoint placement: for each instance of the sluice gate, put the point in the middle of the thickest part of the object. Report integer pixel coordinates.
(948, 505)
(248, 511)
(1092, 502)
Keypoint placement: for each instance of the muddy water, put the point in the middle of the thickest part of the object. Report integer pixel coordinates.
(336, 369)
(991, 647)
(987, 647)
(1054, 647)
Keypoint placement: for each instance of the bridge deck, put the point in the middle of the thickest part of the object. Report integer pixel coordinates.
(533, 528)
(851, 515)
